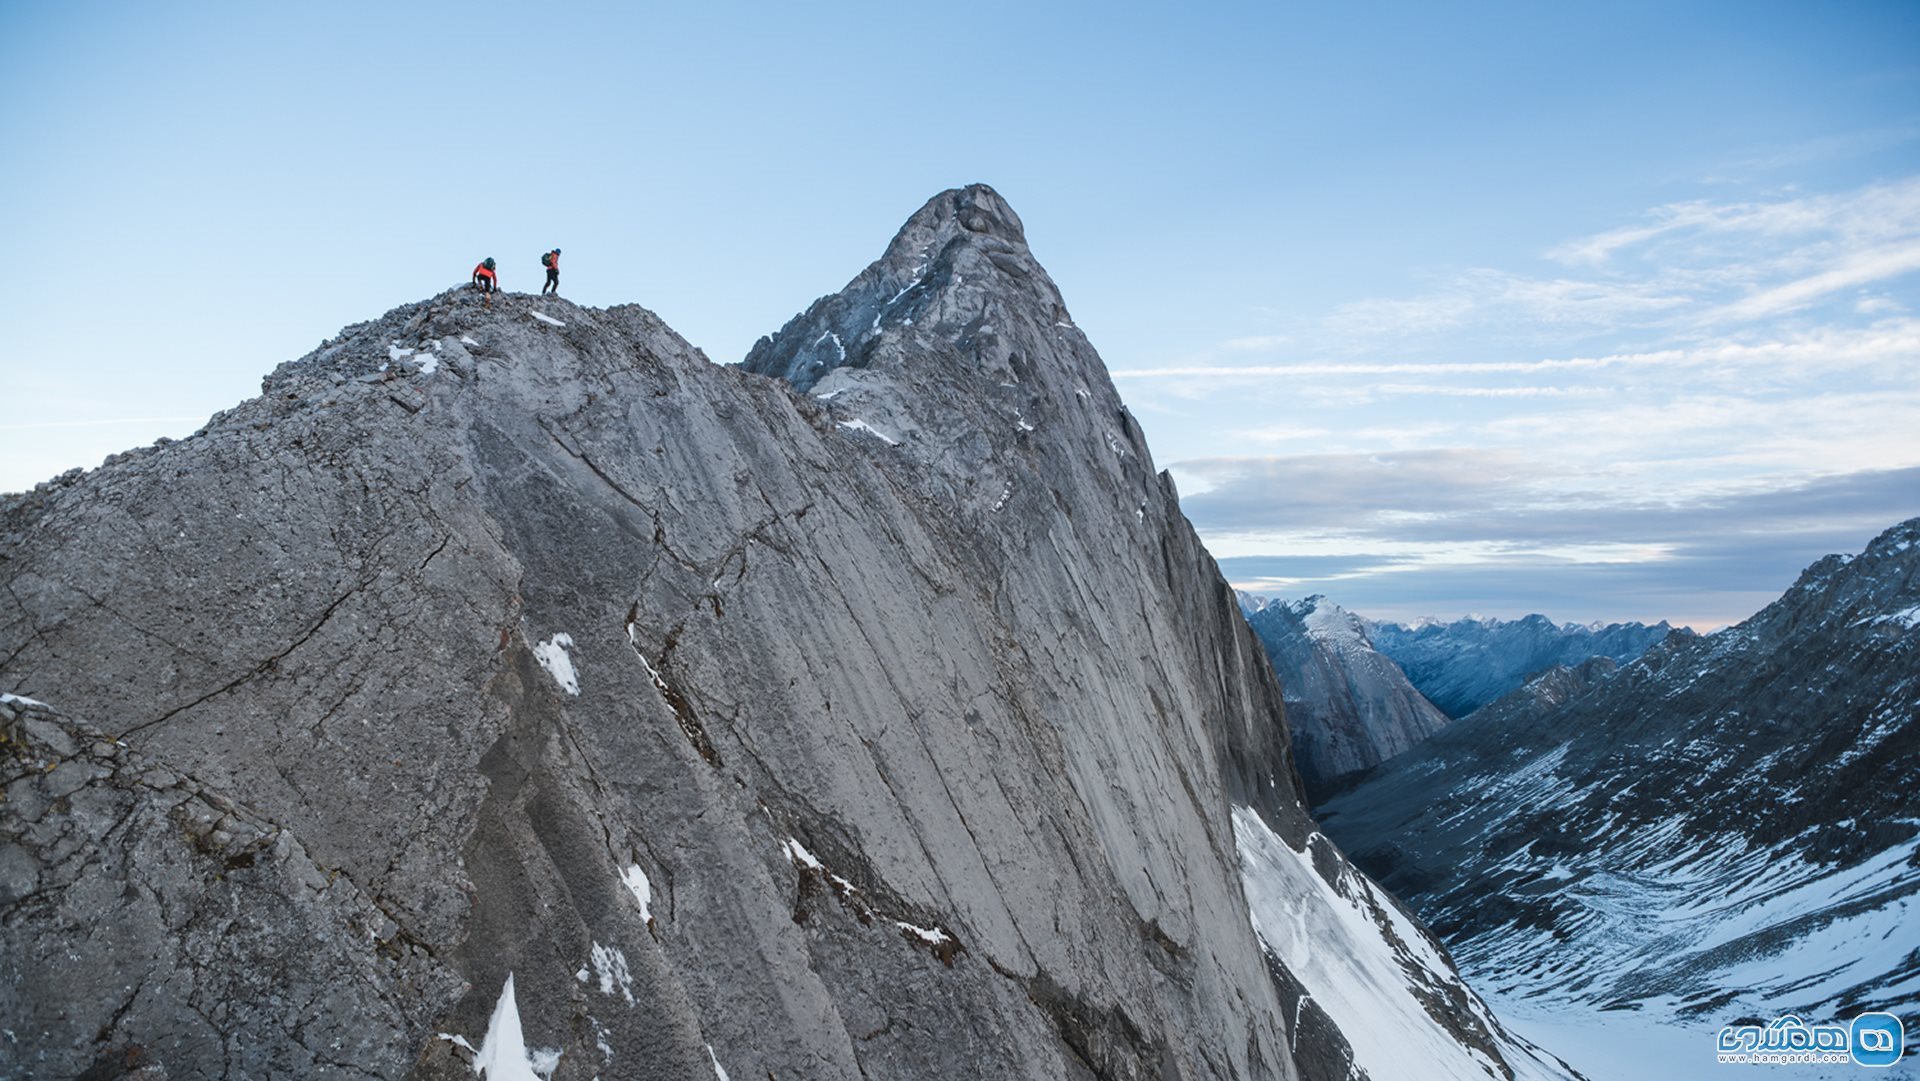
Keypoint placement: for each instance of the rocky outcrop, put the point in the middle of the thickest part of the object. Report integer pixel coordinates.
(1468, 663)
(1723, 830)
(1348, 705)
(513, 683)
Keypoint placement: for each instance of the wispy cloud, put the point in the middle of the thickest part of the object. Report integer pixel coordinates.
(1717, 435)
(1791, 278)
(1622, 419)
(1877, 213)
(1348, 492)
(1688, 264)
(1823, 149)
(1443, 390)
(1482, 295)
(1807, 349)
(1283, 433)
(1854, 269)
(1391, 436)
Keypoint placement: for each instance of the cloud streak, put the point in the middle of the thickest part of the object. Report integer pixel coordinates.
(1856, 269)
(1402, 539)
(1824, 348)
(1508, 497)
(1874, 213)
(1680, 410)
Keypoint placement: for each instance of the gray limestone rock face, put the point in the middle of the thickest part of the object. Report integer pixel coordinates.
(891, 730)
(156, 927)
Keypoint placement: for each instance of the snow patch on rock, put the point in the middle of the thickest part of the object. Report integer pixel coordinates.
(932, 936)
(609, 968)
(636, 882)
(862, 426)
(552, 655)
(503, 1053)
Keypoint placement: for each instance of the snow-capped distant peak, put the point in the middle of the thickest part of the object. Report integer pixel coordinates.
(1465, 663)
(1348, 705)
(1330, 623)
(1250, 602)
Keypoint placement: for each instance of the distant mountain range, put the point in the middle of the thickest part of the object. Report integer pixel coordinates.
(1725, 830)
(1463, 665)
(1360, 691)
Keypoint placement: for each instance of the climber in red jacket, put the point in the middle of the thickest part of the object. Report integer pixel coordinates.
(485, 280)
(551, 261)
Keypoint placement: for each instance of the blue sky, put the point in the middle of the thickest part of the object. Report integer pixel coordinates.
(1606, 311)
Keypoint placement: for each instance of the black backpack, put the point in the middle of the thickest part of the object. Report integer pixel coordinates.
(546, 259)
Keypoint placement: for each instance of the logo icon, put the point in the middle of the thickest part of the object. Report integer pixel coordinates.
(1787, 1040)
(1876, 1039)
(1872, 1039)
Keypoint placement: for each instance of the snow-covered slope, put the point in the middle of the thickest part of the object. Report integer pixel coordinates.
(1467, 663)
(1727, 829)
(1368, 969)
(1349, 705)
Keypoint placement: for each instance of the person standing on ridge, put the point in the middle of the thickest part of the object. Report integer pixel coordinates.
(551, 261)
(486, 280)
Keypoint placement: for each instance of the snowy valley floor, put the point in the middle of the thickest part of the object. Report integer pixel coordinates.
(1620, 1046)
(1617, 1046)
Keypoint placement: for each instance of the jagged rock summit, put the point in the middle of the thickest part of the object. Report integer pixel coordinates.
(966, 231)
(956, 344)
(513, 686)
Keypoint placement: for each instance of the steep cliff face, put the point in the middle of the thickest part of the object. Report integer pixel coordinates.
(1348, 705)
(1725, 829)
(513, 682)
(1468, 663)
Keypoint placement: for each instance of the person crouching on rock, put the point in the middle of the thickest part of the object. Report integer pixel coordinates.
(485, 280)
(551, 261)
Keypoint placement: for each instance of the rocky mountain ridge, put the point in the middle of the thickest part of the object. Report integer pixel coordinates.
(1464, 664)
(511, 686)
